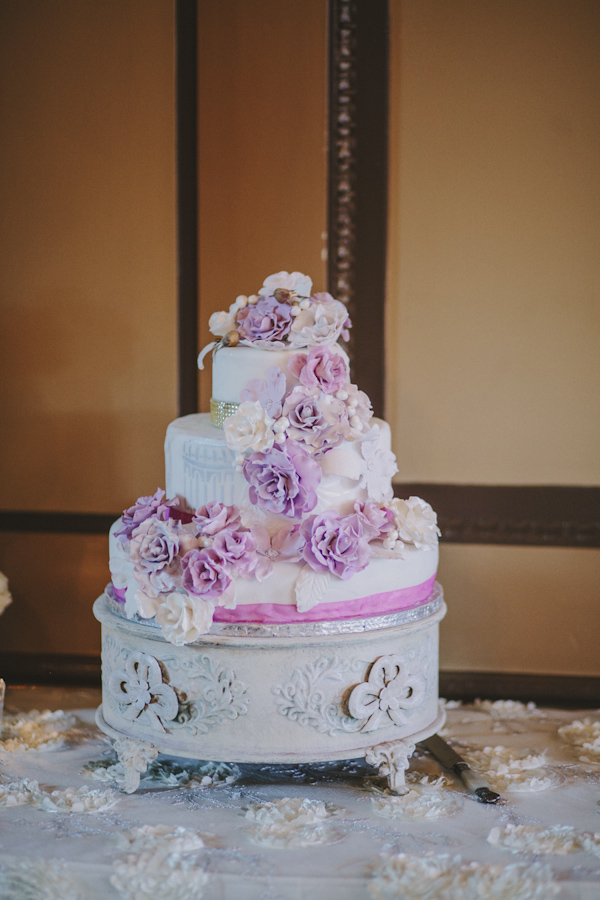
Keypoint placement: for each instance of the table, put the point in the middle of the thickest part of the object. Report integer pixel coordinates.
(219, 832)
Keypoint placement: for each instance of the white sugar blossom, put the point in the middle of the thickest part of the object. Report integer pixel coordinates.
(183, 618)
(221, 323)
(249, 428)
(290, 281)
(379, 465)
(320, 323)
(416, 522)
(5, 595)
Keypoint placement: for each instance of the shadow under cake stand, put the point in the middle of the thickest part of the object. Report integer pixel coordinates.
(280, 694)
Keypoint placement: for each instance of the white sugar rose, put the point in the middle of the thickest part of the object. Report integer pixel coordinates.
(320, 323)
(249, 428)
(221, 323)
(416, 522)
(183, 618)
(290, 281)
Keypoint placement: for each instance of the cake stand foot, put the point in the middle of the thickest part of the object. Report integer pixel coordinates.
(135, 756)
(392, 759)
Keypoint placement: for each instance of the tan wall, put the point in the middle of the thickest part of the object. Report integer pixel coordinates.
(494, 280)
(493, 367)
(87, 286)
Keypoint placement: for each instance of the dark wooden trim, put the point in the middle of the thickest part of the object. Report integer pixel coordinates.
(56, 522)
(187, 203)
(357, 179)
(562, 690)
(545, 516)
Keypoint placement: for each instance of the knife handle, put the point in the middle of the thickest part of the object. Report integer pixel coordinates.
(471, 780)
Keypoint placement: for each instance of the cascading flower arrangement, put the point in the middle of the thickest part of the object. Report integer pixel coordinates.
(177, 567)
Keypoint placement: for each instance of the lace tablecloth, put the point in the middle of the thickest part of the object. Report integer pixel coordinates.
(226, 832)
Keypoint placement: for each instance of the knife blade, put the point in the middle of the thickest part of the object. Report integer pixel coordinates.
(473, 782)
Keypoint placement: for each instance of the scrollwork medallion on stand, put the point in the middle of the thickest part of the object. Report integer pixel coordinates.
(211, 694)
(141, 693)
(312, 697)
(389, 690)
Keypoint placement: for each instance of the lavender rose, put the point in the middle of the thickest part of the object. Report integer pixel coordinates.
(215, 516)
(283, 481)
(269, 393)
(378, 519)
(316, 419)
(142, 509)
(238, 549)
(267, 320)
(320, 368)
(155, 544)
(204, 574)
(336, 544)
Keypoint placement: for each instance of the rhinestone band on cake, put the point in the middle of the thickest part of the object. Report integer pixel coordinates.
(221, 410)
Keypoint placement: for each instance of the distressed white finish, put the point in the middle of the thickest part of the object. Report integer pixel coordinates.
(276, 699)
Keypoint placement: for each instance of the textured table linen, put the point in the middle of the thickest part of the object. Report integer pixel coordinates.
(308, 832)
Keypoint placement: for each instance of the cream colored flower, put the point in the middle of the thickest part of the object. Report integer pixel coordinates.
(291, 281)
(183, 618)
(249, 428)
(416, 522)
(320, 323)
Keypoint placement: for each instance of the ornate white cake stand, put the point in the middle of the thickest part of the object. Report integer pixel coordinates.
(254, 693)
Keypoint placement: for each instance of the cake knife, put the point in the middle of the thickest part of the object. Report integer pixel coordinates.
(473, 782)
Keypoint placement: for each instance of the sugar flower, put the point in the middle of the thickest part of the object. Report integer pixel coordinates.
(283, 480)
(221, 323)
(317, 420)
(416, 522)
(380, 519)
(290, 281)
(320, 323)
(214, 517)
(268, 320)
(142, 509)
(184, 619)
(204, 574)
(379, 465)
(238, 549)
(336, 544)
(155, 544)
(249, 428)
(321, 368)
(269, 393)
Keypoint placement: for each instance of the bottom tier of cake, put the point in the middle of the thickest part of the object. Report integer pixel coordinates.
(278, 694)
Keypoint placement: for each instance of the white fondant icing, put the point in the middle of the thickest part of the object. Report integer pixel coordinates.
(233, 367)
(200, 467)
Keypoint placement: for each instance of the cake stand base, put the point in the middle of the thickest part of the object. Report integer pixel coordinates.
(272, 694)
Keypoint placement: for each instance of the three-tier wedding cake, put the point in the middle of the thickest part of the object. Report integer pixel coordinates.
(278, 522)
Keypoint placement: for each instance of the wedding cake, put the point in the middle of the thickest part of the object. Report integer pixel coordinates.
(279, 505)
(275, 603)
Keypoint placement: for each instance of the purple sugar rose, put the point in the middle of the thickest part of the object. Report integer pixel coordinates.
(238, 549)
(267, 320)
(336, 544)
(269, 393)
(320, 368)
(283, 480)
(378, 520)
(204, 574)
(155, 544)
(286, 544)
(214, 517)
(317, 420)
(142, 509)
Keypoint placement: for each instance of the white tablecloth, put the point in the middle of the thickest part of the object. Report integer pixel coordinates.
(324, 831)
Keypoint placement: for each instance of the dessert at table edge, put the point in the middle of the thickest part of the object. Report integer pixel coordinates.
(279, 505)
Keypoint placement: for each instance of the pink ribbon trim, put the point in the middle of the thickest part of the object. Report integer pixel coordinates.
(374, 605)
